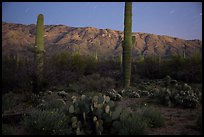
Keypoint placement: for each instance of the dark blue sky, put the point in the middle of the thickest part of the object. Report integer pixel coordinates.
(177, 19)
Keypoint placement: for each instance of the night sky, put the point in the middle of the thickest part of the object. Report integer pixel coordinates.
(177, 19)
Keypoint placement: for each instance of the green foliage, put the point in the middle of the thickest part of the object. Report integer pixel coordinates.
(153, 117)
(199, 121)
(127, 44)
(61, 60)
(52, 104)
(132, 125)
(9, 101)
(93, 82)
(176, 94)
(34, 99)
(188, 69)
(47, 122)
(7, 129)
(76, 62)
(93, 114)
(16, 77)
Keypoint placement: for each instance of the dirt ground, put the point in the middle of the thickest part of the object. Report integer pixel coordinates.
(178, 121)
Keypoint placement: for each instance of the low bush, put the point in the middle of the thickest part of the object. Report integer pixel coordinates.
(7, 129)
(47, 122)
(199, 121)
(133, 125)
(52, 104)
(176, 94)
(9, 101)
(93, 82)
(153, 117)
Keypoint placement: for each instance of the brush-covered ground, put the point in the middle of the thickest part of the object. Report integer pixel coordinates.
(19, 112)
(85, 96)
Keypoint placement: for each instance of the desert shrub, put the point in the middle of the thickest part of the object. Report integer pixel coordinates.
(187, 70)
(64, 68)
(47, 122)
(133, 125)
(93, 82)
(52, 104)
(9, 101)
(110, 68)
(34, 99)
(153, 117)
(16, 74)
(149, 68)
(61, 60)
(176, 95)
(7, 129)
(199, 121)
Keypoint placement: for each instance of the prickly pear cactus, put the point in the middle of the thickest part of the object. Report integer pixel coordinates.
(114, 95)
(92, 113)
(176, 94)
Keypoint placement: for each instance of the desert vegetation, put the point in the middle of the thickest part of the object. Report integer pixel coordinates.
(68, 93)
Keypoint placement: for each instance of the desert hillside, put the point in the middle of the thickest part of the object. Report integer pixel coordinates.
(89, 40)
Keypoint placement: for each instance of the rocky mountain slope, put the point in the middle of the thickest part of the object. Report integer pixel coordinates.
(19, 38)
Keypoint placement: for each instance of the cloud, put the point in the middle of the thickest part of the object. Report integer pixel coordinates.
(200, 14)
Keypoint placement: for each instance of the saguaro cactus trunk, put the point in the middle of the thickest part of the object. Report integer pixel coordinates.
(127, 45)
(39, 52)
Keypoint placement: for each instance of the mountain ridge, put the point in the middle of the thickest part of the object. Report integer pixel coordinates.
(89, 40)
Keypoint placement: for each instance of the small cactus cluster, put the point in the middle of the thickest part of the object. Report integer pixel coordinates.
(114, 95)
(176, 94)
(128, 92)
(94, 115)
(134, 93)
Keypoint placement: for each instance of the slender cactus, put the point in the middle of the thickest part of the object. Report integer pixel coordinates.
(96, 56)
(133, 40)
(127, 45)
(39, 52)
(184, 51)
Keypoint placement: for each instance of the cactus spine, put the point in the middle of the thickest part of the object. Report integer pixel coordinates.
(39, 52)
(127, 44)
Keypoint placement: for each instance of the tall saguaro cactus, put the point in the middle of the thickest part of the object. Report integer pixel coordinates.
(127, 45)
(39, 52)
